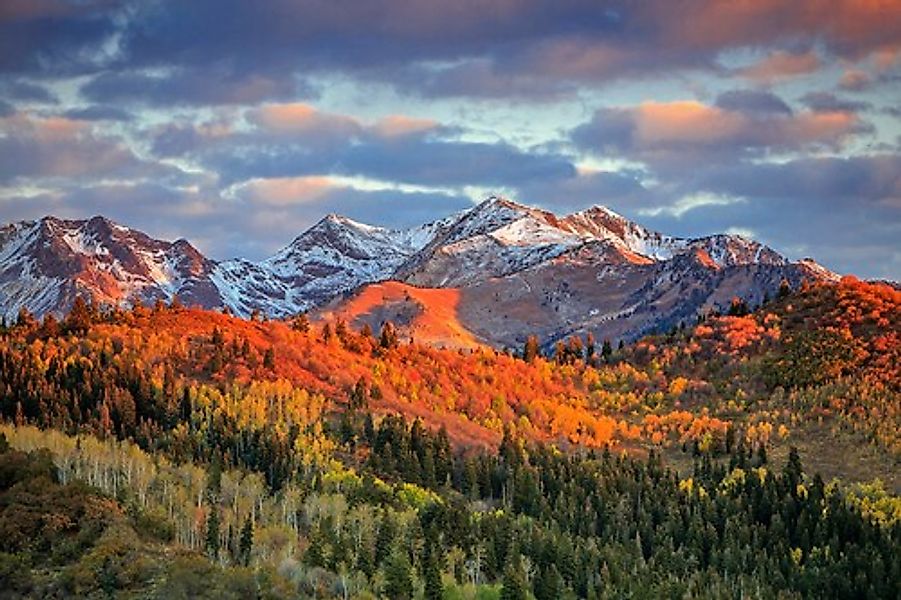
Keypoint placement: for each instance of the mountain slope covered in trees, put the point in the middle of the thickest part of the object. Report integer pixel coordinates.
(313, 459)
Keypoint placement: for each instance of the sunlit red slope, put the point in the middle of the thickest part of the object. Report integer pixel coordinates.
(428, 315)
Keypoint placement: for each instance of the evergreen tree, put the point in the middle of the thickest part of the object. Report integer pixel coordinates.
(548, 583)
(211, 540)
(269, 358)
(78, 321)
(785, 289)
(359, 395)
(301, 323)
(531, 350)
(514, 583)
(607, 350)
(388, 338)
(246, 544)
(399, 576)
(434, 589)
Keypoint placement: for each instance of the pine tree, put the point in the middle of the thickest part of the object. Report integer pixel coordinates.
(78, 321)
(212, 533)
(359, 395)
(785, 289)
(25, 319)
(246, 544)
(548, 584)
(388, 338)
(301, 323)
(607, 350)
(398, 576)
(434, 589)
(269, 358)
(514, 584)
(738, 307)
(531, 350)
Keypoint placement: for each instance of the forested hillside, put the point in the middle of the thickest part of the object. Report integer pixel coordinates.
(188, 446)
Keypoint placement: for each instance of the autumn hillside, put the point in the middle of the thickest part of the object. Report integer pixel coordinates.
(175, 452)
(826, 356)
(167, 350)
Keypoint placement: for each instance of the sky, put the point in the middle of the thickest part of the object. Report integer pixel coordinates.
(239, 124)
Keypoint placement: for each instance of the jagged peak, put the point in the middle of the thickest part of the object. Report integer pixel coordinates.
(337, 221)
(502, 201)
(598, 209)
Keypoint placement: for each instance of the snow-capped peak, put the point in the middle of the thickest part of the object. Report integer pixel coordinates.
(601, 223)
(45, 264)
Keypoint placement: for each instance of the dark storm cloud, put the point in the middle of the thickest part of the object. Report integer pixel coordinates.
(753, 101)
(192, 87)
(472, 47)
(828, 102)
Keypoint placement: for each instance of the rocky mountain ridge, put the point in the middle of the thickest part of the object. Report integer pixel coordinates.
(588, 270)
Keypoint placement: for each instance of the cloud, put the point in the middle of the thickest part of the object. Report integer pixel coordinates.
(17, 89)
(845, 212)
(38, 147)
(304, 121)
(753, 101)
(99, 112)
(620, 190)
(285, 191)
(239, 53)
(248, 225)
(827, 102)
(681, 133)
(297, 139)
(781, 65)
(301, 201)
(394, 126)
(192, 86)
(855, 80)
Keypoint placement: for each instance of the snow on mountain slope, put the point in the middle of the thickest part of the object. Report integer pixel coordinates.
(493, 239)
(45, 264)
(331, 258)
(498, 245)
(601, 223)
(731, 250)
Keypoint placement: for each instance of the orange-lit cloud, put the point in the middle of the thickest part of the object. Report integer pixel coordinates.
(686, 132)
(854, 80)
(400, 125)
(781, 65)
(299, 118)
(284, 191)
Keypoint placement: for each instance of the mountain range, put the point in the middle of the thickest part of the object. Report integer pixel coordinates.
(492, 274)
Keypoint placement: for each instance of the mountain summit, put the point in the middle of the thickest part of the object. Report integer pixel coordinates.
(515, 269)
